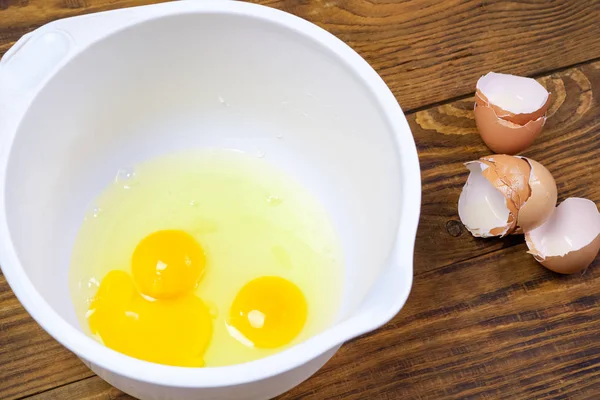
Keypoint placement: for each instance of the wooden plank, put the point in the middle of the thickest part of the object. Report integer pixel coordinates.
(92, 388)
(30, 360)
(427, 50)
(446, 137)
(498, 326)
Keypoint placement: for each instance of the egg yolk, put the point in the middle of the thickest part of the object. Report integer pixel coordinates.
(167, 264)
(269, 311)
(173, 331)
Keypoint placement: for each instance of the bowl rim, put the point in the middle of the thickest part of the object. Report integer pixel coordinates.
(212, 377)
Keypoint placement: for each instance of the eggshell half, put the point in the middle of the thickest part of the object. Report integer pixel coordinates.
(516, 99)
(569, 240)
(504, 136)
(542, 201)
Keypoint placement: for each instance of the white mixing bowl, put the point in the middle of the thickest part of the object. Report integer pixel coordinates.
(81, 97)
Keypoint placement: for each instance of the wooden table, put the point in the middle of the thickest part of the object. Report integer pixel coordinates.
(484, 320)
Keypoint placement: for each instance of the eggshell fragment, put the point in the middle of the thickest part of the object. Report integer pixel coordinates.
(569, 240)
(510, 176)
(503, 136)
(542, 200)
(516, 99)
(482, 208)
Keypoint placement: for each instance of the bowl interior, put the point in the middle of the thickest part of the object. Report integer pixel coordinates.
(203, 80)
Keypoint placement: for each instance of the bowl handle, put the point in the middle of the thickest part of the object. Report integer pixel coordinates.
(18, 44)
(37, 55)
(34, 58)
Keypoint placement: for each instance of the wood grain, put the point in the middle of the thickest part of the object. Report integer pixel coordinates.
(92, 388)
(30, 360)
(429, 50)
(484, 321)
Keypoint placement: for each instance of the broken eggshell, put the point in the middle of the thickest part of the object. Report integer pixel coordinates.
(490, 200)
(504, 136)
(510, 176)
(569, 240)
(542, 199)
(506, 194)
(516, 99)
(509, 111)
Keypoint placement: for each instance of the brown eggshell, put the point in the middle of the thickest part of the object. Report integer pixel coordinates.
(501, 232)
(519, 119)
(575, 261)
(503, 136)
(518, 231)
(509, 175)
(576, 223)
(542, 201)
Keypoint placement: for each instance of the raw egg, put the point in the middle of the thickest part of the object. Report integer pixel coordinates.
(167, 263)
(173, 331)
(269, 312)
(205, 258)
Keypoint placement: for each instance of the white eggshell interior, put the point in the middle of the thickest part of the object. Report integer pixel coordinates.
(573, 225)
(481, 207)
(516, 94)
